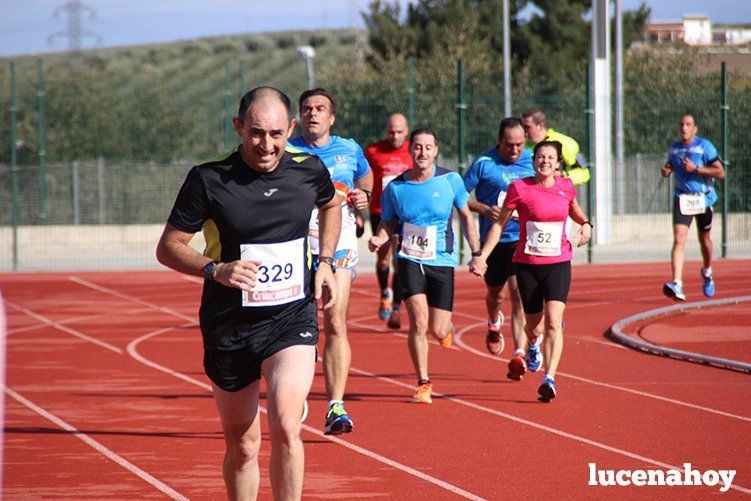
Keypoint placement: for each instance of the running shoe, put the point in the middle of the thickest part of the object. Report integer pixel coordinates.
(494, 339)
(674, 291)
(516, 367)
(423, 394)
(448, 340)
(394, 322)
(386, 304)
(534, 355)
(707, 285)
(337, 421)
(547, 390)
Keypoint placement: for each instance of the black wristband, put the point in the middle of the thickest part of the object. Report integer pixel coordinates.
(477, 253)
(209, 270)
(367, 194)
(589, 223)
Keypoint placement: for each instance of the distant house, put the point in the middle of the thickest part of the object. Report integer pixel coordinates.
(731, 34)
(696, 29)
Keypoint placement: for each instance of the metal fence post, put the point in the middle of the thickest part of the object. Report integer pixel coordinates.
(227, 107)
(14, 161)
(411, 90)
(240, 79)
(639, 183)
(724, 109)
(590, 112)
(100, 187)
(461, 110)
(42, 149)
(76, 204)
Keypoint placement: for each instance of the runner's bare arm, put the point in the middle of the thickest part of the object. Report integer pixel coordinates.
(716, 169)
(477, 264)
(577, 214)
(383, 234)
(666, 170)
(360, 196)
(330, 217)
(494, 234)
(487, 211)
(174, 252)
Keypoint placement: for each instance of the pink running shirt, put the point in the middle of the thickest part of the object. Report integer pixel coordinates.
(542, 220)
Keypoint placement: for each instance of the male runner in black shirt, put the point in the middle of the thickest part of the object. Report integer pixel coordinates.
(258, 308)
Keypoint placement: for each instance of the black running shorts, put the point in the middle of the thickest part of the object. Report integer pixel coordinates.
(232, 369)
(436, 282)
(703, 220)
(500, 264)
(539, 283)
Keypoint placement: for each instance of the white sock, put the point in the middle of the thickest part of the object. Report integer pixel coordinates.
(332, 402)
(679, 282)
(707, 272)
(494, 325)
(519, 353)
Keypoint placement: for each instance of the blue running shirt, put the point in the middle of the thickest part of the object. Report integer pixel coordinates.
(491, 176)
(424, 210)
(702, 153)
(346, 163)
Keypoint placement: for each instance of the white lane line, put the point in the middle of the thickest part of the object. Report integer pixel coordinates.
(586, 339)
(533, 424)
(111, 292)
(65, 329)
(154, 482)
(459, 342)
(468, 348)
(132, 349)
(537, 425)
(71, 320)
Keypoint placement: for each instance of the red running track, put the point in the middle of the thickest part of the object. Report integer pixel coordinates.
(106, 398)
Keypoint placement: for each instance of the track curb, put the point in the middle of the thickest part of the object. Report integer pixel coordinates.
(616, 334)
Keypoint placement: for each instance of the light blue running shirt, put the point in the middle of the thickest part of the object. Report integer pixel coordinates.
(346, 163)
(424, 210)
(702, 153)
(491, 176)
(343, 158)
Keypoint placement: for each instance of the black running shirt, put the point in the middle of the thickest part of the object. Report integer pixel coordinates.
(254, 216)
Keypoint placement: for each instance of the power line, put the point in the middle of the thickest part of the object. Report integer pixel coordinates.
(75, 32)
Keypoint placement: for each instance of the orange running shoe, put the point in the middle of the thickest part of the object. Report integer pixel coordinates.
(386, 304)
(423, 394)
(448, 340)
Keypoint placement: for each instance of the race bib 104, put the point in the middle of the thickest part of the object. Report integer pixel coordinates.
(281, 274)
(543, 239)
(419, 242)
(692, 204)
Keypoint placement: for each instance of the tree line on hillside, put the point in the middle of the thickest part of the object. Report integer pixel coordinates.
(173, 102)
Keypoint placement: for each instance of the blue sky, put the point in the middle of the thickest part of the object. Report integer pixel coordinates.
(26, 25)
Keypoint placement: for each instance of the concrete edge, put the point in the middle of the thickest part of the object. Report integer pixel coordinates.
(616, 334)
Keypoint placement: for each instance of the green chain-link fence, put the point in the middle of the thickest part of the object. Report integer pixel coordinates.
(94, 181)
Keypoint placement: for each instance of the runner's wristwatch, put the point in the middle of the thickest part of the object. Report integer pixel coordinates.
(327, 260)
(209, 270)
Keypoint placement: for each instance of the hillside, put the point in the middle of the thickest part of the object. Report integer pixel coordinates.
(158, 102)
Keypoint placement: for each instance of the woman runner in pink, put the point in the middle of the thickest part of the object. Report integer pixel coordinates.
(543, 254)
